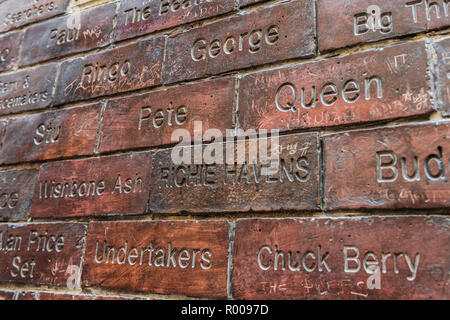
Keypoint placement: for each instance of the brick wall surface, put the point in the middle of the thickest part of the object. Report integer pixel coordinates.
(353, 202)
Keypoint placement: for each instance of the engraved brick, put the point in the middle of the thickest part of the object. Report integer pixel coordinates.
(138, 17)
(9, 50)
(342, 258)
(378, 84)
(49, 135)
(110, 185)
(7, 295)
(42, 253)
(17, 189)
(151, 119)
(343, 23)
(27, 90)
(399, 167)
(130, 67)
(42, 295)
(68, 34)
(441, 63)
(165, 257)
(242, 41)
(288, 180)
(15, 13)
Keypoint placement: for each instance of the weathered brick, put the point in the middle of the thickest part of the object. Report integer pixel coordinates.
(343, 23)
(165, 257)
(246, 40)
(26, 90)
(332, 258)
(378, 84)
(399, 167)
(42, 253)
(7, 295)
(17, 190)
(110, 185)
(15, 13)
(243, 3)
(151, 119)
(43, 295)
(9, 50)
(138, 17)
(49, 135)
(129, 67)
(288, 181)
(68, 34)
(441, 71)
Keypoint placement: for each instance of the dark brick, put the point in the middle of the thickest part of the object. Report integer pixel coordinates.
(66, 35)
(49, 135)
(378, 84)
(129, 67)
(343, 23)
(400, 167)
(138, 17)
(290, 184)
(17, 190)
(411, 254)
(42, 254)
(199, 251)
(441, 63)
(110, 185)
(15, 13)
(150, 119)
(9, 50)
(259, 37)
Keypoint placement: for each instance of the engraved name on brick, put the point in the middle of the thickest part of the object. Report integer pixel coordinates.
(49, 135)
(45, 254)
(343, 23)
(344, 258)
(151, 119)
(390, 168)
(9, 50)
(189, 257)
(101, 186)
(369, 86)
(243, 41)
(61, 36)
(125, 68)
(137, 17)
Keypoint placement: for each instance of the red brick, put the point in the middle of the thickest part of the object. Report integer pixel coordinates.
(110, 185)
(199, 250)
(9, 50)
(135, 122)
(49, 135)
(27, 90)
(42, 254)
(441, 71)
(42, 295)
(212, 186)
(7, 295)
(17, 190)
(400, 167)
(341, 22)
(325, 245)
(129, 67)
(260, 37)
(389, 83)
(15, 13)
(138, 17)
(66, 35)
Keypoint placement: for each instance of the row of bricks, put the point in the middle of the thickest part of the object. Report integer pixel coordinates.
(375, 85)
(390, 168)
(235, 43)
(319, 258)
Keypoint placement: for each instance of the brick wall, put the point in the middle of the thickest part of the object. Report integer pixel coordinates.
(93, 205)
